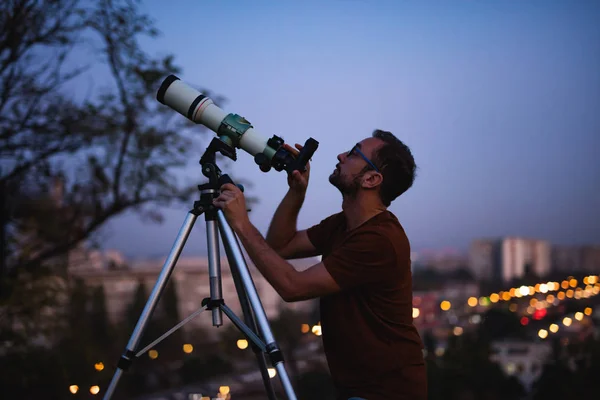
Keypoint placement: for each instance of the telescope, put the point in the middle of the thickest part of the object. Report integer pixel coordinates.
(233, 129)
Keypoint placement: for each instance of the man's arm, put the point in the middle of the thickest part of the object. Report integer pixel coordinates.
(283, 226)
(290, 284)
(283, 235)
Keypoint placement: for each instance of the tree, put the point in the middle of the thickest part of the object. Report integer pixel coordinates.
(571, 371)
(287, 328)
(69, 166)
(144, 371)
(83, 341)
(72, 166)
(466, 372)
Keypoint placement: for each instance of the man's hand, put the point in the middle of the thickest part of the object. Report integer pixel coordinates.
(298, 181)
(233, 203)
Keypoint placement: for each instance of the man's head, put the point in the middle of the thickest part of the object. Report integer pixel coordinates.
(379, 164)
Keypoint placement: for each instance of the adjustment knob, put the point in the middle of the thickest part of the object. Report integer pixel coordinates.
(263, 162)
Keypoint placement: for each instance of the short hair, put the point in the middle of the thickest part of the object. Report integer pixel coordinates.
(397, 165)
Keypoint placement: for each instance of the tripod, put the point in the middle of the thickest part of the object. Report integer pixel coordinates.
(256, 322)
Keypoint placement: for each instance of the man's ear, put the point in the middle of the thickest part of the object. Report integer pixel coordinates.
(371, 180)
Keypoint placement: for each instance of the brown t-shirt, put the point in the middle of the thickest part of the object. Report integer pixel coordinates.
(371, 344)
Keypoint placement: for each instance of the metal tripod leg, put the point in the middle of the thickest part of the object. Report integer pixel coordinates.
(238, 262)
(159, 286)
(249, 319)
(214, 266)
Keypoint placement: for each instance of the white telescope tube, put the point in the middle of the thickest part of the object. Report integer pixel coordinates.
(200, 109)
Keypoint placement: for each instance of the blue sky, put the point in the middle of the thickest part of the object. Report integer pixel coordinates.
(498, 100)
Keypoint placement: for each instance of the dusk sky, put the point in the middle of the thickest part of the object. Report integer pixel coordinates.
(498, 100)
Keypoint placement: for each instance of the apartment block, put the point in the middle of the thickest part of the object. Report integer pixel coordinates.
(509, 258)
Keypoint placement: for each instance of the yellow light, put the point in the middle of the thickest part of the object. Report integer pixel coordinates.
(457, 330)
(494, 298)
(524, 290)
(188, 348)
(445, 305)
(543, 288)
(73, 389)
(573, 282)
(570, 293)
(596, 290)
(537, 287)
(561, 295)
(540, 304)
(567, 321)
(513, 307)
(530, 310)
(94, 389)
(472, 302)
(553, 328)
(578, 293)
(592, 279)
(550, 298)
(242, 344)
(578, 316)
(506, 296)
(316, 330)
(543, 333)
(416, 312)
(531, 290)
(585, 280)
(533, 302)
(587, 311)
(305, 328)
(512, 292)
(153, 354)
(564, 285)
(224, 390)
(272, 372)
(99, 366)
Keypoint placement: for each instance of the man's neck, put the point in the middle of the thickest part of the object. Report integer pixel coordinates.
(359, 210)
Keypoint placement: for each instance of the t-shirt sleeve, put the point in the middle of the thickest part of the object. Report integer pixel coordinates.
(364, 258)
(320, 234)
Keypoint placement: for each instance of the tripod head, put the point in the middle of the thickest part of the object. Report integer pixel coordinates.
(209, 165)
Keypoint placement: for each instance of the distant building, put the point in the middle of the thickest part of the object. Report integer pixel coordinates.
(522, 359)
(509, 258)
(591, 259)
(192, 285)
(443, 260)
(485, 259)
(569, 259)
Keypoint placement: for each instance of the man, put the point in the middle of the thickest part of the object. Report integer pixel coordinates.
(364, 281)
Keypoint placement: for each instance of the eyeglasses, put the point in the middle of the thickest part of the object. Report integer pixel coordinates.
(355, 150)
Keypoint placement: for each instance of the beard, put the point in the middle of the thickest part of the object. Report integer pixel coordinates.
(348, 186)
